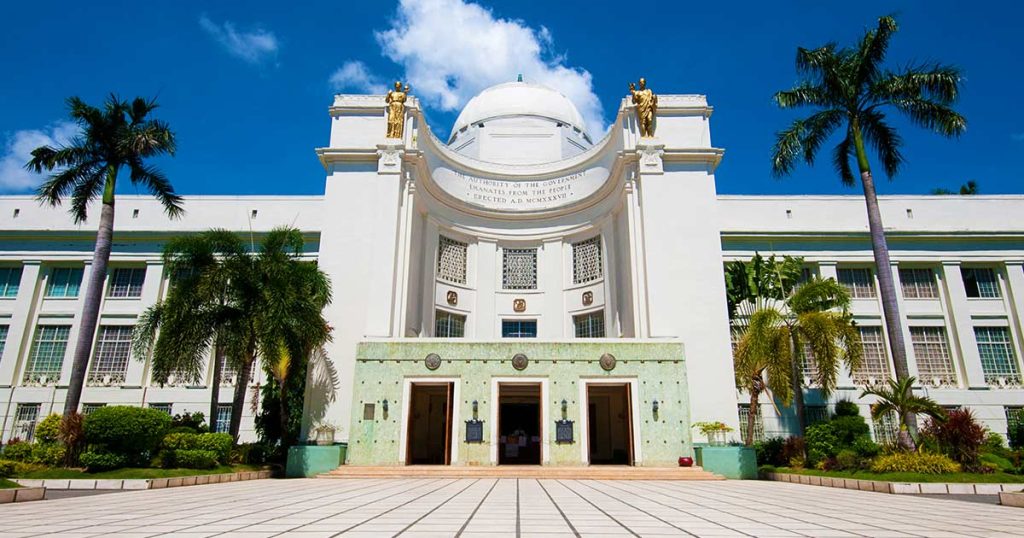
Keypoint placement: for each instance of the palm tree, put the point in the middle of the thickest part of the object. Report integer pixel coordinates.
(852, 92)
(898, 397)
(121, 135)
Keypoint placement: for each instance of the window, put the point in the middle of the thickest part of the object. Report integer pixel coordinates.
(110, 361)
(47, 356)
(744, 411)
(997, 359)
(451, 260)
(886, 429)
(448, 325)
(918, 284)
(127, 282)
(25, 419)
(874, 364)
(586, 261)
(3, 338)
(228, 372)
(1014, 418)
(980, 282)
(64, 282)
(10, 281)
(589, 325)
(858, 281)
(809, 366)
(807, 273)
(516, 328)
(163, 407)
(223, 422)
(816, 414)
(934, 365)
(519, 269)
(88, 408)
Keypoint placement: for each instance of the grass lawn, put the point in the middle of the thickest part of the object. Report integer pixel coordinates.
(130, 472)
(912, 477)
(7, 484)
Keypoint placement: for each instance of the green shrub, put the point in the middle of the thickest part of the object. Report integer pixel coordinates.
(132, 432)
(7, 468)
(793, 448)
(51, 454)
(849, 428)
(959, 436)
(180, 441)
(1001, 463)
(48, 429)
(769, 451)
(218, 443)
(18, 451)
(97, 460)
(1015, 433)
(865, 448)
(189, 422)
(846, 408)
(195, 459)
(822, 441)
(914, 462)
(847, 459)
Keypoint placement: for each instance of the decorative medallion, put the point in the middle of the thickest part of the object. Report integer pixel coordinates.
(588, 298)
(519, 361)
(519, 305)
(453, 298)
(607, 362)
(432, 361)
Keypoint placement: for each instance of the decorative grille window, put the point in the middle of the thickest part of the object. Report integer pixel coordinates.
(886, 429)
(980, 282)
(516, 328)
(809, 366)
(519, 269)
(448, 325)
(918, 284)
(223, 422)
(589, 325)
(3, 338)
(64, 282)
(874, 364)
(858, 281)
(997, 358)
(451, 260)
(127, 282)
(88, 408)
(228, 372)
(47, 356)
(586, 261)
(744, 412)
(931, 349)
(10, 281)
(1014, 417)
(163, 407)
(25, 419)
(110, 362)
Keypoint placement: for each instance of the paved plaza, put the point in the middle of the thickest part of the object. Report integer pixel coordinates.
(506, 507)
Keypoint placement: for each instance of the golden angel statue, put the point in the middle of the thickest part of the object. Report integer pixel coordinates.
(646, 107)
(395, 101)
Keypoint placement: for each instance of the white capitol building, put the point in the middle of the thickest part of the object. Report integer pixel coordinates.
(597, 264)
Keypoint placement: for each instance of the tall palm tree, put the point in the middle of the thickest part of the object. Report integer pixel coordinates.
(852, 93)
(120, 136)
(898, 397)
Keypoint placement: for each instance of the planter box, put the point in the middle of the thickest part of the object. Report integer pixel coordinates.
(1008, 498)
(306, 461)
(735, 462)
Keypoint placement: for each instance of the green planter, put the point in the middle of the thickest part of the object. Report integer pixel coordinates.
(735, 462)
(307, 461)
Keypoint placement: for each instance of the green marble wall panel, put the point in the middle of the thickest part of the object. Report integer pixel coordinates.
(382, 369)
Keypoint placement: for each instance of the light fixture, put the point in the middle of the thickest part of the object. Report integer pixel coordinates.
(654, 407)
(565, 409)
(384, 408)
(476, 407)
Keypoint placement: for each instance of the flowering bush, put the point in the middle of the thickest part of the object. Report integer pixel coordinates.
(914, 462)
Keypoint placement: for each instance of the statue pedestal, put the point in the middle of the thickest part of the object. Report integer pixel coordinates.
(649, 152)
(389, 156)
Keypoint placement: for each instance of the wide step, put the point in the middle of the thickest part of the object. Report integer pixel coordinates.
(523, 471)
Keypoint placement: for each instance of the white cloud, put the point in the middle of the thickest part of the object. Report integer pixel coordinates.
(17, 151)
(450, 50)
(355, 75)
(252, 46)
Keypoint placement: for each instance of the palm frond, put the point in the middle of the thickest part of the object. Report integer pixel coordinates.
(872, 48)
(841, 156)
(803, 94)
(932, 115)
(158, 185)
(787, 149)
(884, 139)
(937, 82)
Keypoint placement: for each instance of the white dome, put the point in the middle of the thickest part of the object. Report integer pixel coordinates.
(519, 99)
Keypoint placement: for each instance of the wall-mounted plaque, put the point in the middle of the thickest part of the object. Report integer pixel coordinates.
(453, 298)
(607, 362)
(432, 361)
(519, 305)
(474, 431)
(519, 361)
(563, 431)
(368, 411)
(588, 298)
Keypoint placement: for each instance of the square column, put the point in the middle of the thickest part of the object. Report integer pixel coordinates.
(19, 329)
(908, 345)
(963, 325)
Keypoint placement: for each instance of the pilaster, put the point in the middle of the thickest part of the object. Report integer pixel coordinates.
(19, 331)
(904, 325)
(963, 326)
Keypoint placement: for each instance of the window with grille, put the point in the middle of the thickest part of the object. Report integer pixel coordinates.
(589, 325)
(874, 364)
(980, 282)
(931, 350)
(997, 357)
(809, 366)
(228, 372)
(918, 283)
(586, 261)
(519, 269)
(3, 338)
(88, 408)
(10, 281)
(744, 411)
(1014, 418)
(815, 414)
(162, 407)
(26, 417)
(449, 325)
(47, 355)
(64, 282)
(127, 282)
(858, 281)
(451, 260)
(110, 361)
(518, 328)
(223, 422)
(886, 429)
(807, 273)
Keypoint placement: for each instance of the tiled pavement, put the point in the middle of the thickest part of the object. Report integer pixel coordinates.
(506, 507)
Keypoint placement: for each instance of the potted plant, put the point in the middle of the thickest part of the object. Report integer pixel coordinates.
(324, 434)
(714, 431)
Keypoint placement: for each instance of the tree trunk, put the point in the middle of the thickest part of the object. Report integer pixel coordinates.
(796, 379)
(218, 351)
(887, 288)
(755, 396)
(93, 297)
(282, 408)
(238, 402)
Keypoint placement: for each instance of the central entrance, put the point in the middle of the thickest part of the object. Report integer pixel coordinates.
(519, 424)
(610, 424)
(430, 424)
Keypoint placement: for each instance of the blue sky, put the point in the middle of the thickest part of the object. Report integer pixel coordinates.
(246, 86)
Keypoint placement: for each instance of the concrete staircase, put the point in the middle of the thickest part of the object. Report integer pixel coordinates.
(602, 472)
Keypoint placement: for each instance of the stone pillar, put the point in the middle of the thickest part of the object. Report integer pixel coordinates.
(19, 328)
(904, 326)
(963, 326)
(1015, 304)
(488, 261)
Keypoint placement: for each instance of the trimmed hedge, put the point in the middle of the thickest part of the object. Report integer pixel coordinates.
(195, 459)
(134, 433)
(7, 468)
(97, 460)
(18, 451)
(914, 462)
(218, 444)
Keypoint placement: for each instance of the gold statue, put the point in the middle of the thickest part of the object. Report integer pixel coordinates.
(395, 101)
(646, 107)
